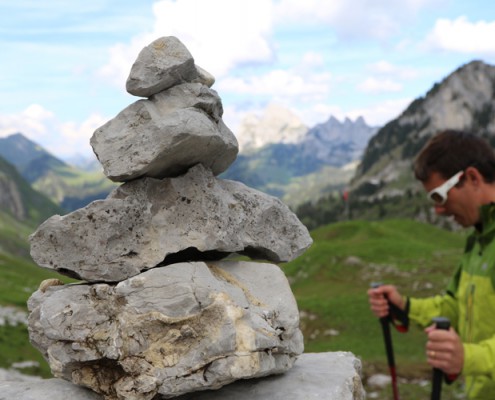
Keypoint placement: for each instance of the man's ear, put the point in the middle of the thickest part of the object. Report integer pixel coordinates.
(472, 175)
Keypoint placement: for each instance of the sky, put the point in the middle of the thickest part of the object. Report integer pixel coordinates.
(64, 64)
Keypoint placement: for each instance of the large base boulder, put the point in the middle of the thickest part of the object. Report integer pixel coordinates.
(170, 330)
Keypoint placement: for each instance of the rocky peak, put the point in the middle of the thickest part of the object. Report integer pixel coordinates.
(276, 125)
(340, 142)
(463, 100)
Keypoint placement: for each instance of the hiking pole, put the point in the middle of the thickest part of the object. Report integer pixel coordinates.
(388, 348)
(436, 389)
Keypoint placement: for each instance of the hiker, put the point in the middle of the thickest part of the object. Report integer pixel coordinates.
(457, 170)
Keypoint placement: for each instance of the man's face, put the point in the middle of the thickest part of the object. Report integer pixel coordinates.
(460, 204)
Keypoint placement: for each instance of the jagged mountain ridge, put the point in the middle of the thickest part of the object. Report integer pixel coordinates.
(337, 143)
(463, 100)
(384, 185)
(273, 167)
(276, 125)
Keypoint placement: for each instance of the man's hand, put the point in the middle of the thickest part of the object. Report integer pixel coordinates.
(444, 350)
(378, 299)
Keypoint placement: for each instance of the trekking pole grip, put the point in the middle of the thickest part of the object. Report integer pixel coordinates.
(440, 323)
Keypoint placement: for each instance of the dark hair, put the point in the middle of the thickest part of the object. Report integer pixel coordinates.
(451, 151)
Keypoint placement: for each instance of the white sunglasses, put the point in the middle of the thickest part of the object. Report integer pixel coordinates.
(439, 194)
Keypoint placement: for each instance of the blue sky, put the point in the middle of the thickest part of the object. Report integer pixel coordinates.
(64, 63)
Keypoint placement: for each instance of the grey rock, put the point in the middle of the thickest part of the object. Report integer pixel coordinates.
(192, 217)
(48, 389)
(164, 63)
(13, 375)
(318, 376)
(322, 376)
(165, 135)
(204, 77)
(169, 331)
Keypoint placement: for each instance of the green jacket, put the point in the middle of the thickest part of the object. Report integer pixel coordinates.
(470, 306)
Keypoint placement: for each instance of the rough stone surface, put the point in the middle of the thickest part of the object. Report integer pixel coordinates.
(322, 376)
(170, 330)
(49, 389)
(164, 63)
(165, 135)
(318, 376)
(192, 217)
(204, 77)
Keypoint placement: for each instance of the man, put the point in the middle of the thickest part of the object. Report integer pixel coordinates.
(457, 170)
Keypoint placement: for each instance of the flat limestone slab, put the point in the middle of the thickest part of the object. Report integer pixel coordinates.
(48, 389)
(322, 376)
(144, 221)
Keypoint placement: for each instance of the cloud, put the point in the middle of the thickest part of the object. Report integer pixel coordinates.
(42, 126)
(363, 19)
(76, 136)
(280, 85)
(386, 77)
(320, 112)
(220, 34)
(383, 67)
(380, 113)
(34, 122)
(463, 36)
(374, 85)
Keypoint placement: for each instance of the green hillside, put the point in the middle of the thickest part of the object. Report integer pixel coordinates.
(330, 281)
(73, 188)
(69, 187)
(19, 277)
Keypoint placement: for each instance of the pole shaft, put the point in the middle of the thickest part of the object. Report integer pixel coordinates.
(436, 389)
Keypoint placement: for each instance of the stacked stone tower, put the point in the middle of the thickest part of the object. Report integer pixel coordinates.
(164, 305)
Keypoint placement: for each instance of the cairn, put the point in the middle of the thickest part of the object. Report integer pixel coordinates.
(163, 307)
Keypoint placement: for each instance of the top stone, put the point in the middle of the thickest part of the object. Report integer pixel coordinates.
(164, 63)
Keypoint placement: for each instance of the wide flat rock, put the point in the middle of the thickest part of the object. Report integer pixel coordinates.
(315, 376)
(148, 221)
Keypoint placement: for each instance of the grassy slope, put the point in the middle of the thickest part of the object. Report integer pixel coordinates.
(69, 183)
(330, 281)
(19, 277)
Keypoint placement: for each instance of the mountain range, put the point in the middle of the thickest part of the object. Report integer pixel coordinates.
(309, 167)
(297, 165)
(383, 184)
(464, 100)
(279, 155)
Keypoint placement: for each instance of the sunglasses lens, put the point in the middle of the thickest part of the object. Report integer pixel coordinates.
(436, 197)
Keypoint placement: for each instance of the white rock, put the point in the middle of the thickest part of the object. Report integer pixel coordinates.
(379, 380)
